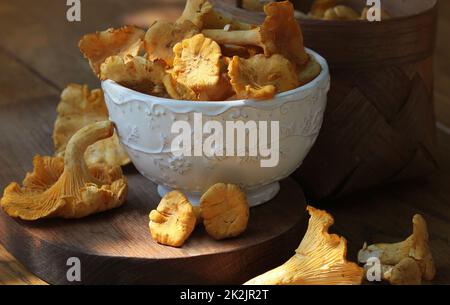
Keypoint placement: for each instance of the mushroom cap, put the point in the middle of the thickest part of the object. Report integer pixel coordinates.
(261, 77)
(98, 46)
(318, 260)
(173, 220)
(136, 73)
(197, 63)
(224, 210)
(281, 33)
(72, 192)
(78, 108)
(162, 36)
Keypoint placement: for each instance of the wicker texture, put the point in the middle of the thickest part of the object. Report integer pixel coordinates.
(379, 125)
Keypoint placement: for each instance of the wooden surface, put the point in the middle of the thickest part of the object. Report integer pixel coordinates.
(38, 56)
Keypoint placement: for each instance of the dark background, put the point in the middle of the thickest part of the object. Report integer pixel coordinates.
(39, 57)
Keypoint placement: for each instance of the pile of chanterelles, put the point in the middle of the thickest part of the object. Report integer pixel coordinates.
(325, 10)
(205, 56)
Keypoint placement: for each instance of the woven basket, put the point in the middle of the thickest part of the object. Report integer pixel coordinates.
(379, 125)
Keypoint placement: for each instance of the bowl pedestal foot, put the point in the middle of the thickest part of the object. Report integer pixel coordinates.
(254, 197)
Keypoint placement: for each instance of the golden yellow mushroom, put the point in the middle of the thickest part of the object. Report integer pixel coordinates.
(173, 220)
(78, 108)
(406, 262)
(224, 210)
(202, 14)
(137, 73)
(261, 77)
(72, 190)
(197, 63)
(319, 7)
(194, 11)
(279, 34)
(162, 36)
(177, 90)
(98, 46)
(318, 260)
(341, 12)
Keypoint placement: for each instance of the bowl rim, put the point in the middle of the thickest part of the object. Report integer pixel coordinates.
(324, 74)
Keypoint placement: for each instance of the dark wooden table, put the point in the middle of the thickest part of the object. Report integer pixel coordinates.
(39, 57)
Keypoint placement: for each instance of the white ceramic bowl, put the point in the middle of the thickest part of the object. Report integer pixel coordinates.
(144, 124)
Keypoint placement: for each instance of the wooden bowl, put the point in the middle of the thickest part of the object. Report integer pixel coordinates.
(379, 125)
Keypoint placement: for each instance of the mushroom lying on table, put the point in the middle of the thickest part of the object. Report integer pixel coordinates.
(67, 187)
(404, 263)
(80, 107)
(318, 260)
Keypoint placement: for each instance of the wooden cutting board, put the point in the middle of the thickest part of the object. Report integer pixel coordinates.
(115, 247)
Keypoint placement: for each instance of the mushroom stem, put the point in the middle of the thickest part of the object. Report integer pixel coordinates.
(67, 197)
(240, 37)
(74, 156)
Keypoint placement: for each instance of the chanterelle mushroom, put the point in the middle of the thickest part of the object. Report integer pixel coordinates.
(318, 260)
(197, 63)
(78, 108)
(136, 73)
(162, 36)
(341, 12)
(260, 77)
(194, 11)
(173, 220)
(224, 210)
(395, 259)
(202, 14)
(319, 7)
(177, 90)
(98, 46)
(68, 188)
(279, 34)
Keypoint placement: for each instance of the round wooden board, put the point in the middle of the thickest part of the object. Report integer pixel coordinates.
(116, 248)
